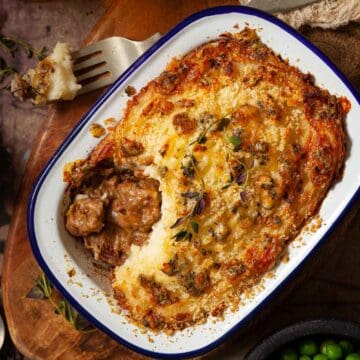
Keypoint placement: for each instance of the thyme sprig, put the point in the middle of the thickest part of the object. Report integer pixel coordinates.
(43, 289)
(229, 182)
(240, 172)
(189, 168)
(221, 124)
(190, 227)
(235, 140)
(12, 45)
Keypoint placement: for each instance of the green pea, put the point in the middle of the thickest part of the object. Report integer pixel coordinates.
(304, 357)
(288, 354)
(347, 346)
(324, 345)
(320, 357)
(353, 356)
(308, 347)
(333, 351)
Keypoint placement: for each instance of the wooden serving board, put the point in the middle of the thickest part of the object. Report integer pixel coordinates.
(332, 290)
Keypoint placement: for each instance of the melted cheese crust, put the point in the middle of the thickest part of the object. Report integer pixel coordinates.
(245, 147)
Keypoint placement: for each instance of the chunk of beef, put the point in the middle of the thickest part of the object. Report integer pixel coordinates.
(115, 209)
(136, 204)
(111, 245)
(85, 216)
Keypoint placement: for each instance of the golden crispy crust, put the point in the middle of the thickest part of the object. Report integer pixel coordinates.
(245, 147)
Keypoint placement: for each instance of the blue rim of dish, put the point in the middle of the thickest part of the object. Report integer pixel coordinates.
(33, 196)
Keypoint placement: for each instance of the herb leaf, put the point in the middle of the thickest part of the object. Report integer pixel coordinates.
(71, 315)
(190, 194)
(240, 174)
(228, 184)
(43, 283)
(183, 234)
(222, 124)
(202, 139)
(188, 171)
(189, 168)
(200, 205)
(41, 54)
(12, 44)
(195, 226)
(8, 44)
(178, 222)
(235, 140)
(43, 290)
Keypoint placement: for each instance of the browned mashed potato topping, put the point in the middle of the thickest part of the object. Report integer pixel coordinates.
(216, 165)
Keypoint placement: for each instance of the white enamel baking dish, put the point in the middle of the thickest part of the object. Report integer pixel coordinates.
(57, 252)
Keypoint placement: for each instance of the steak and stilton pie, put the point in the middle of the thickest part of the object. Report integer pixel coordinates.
(214, 168)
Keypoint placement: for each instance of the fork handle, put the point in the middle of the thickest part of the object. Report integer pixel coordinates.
(116, 52)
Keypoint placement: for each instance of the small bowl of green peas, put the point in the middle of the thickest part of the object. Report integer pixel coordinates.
(323, 339)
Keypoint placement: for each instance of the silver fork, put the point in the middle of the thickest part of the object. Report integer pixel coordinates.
(99, 64)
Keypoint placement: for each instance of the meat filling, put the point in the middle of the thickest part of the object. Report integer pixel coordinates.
(136, 204)
(113, 211)
(85, 216)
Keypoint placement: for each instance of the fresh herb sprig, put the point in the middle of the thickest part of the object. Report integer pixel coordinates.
(12, 45)
(43, 289)
(229, 182)
(221, 124)
(189, 168)
(190, 227)
(235, 140)
(240, 172)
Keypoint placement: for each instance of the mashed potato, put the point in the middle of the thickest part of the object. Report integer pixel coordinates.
(51, 79)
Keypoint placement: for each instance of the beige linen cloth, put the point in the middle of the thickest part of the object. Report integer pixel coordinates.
(325, 14)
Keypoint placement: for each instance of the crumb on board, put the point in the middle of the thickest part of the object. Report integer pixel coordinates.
(110, 124)
(110, 121)
(150, 339)
(130, 90)
(285, 258)
(115, 310)
(236, 26)
(72, 282)
(316, 224)
(97, 130)
(270, 275)
(71, 272)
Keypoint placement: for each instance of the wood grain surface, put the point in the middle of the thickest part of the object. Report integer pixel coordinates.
(327, 286)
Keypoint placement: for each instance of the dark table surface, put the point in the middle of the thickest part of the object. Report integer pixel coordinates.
(42, 23)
